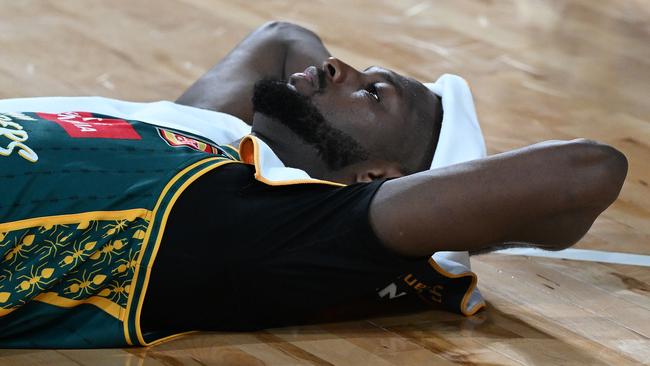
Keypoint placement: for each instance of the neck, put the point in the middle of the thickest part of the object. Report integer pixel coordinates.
(288, 146)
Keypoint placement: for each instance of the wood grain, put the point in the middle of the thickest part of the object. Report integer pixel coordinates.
(539, 70)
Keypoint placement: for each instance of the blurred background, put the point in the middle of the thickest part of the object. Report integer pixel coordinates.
(539, 70)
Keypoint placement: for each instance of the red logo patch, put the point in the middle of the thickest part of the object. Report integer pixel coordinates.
(84, 125)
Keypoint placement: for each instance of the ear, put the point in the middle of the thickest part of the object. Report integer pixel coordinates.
(385, 170)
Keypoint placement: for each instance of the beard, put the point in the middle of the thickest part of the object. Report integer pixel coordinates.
(297, 112)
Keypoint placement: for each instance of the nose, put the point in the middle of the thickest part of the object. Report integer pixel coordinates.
(338, 71)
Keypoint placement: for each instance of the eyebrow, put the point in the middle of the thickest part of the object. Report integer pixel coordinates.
(389, 77)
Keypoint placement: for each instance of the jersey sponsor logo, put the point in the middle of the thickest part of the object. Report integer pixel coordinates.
(86, 125)
(19, 115)
(175, 139)
(391, 291)
(429, 292)
(17, 137)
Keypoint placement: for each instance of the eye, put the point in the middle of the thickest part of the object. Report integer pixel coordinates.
(371, 90)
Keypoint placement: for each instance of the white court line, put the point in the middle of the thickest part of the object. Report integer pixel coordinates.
(583, 255)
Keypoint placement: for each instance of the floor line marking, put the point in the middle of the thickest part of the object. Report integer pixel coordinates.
(583, 255)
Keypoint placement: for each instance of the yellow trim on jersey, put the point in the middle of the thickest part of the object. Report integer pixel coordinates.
(4, 311)
(170, 337)
(251, 155)
(152, 259)
(108, 306)
(131, 214)
(232, 147)
(468, 293)
(52, 298)
(145, 242)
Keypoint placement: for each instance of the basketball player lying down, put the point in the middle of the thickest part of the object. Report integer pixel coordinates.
(121, 230)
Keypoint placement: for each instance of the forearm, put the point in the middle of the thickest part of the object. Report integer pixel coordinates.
(273, 51)
(501, 199)
(553, 232)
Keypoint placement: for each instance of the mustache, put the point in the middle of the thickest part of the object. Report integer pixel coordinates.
(322, 80)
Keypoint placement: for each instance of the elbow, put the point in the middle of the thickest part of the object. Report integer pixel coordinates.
(284, 31)
(596, 175)
(276, 26)
(601, 169)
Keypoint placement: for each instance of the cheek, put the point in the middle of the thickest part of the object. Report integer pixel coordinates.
(346, 114)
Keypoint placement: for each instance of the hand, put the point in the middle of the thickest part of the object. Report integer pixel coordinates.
(274, 50)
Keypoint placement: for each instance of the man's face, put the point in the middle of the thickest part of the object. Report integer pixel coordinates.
(378, 112)
(275, 99)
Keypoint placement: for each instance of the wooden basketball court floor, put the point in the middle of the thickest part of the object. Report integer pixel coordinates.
(539, 70)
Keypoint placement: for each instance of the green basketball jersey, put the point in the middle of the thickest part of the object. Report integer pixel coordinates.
(83, 206)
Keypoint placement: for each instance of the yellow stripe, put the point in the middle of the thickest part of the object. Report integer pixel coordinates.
(232, 147)
(170, 337)
(178, 192)
(243, 154)
(105, 304)
(4, 311)
(74, 218)
(53, 298)
(146, 240)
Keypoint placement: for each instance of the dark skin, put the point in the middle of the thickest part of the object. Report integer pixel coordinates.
(275, 50)
(545, 195)
(379, 108)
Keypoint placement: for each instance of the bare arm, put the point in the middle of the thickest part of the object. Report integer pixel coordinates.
(274, 50)
(546, 195)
